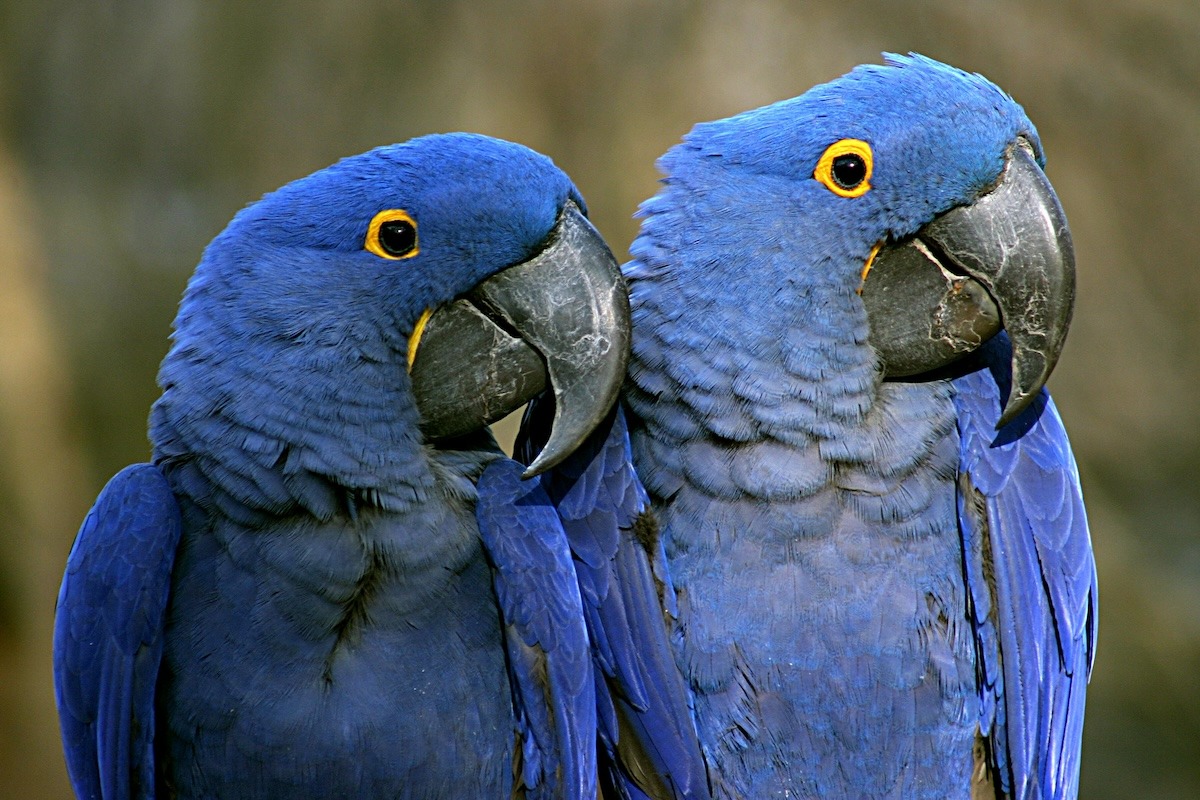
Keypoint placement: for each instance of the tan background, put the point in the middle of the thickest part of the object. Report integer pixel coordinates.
(131, 131)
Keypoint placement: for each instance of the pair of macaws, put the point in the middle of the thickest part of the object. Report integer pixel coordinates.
(830, 543)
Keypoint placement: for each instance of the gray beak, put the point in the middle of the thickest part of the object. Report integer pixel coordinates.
(560, 319)
(1005, 261)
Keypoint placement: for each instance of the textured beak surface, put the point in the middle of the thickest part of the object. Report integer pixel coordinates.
(560, 319)
(1005, 261)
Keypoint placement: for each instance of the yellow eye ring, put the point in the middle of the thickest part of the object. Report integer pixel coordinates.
(392, 234)
(845, 168)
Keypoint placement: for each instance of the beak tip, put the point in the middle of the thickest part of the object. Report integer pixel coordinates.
(1012, 409)
(533, 470)
(1018, 400)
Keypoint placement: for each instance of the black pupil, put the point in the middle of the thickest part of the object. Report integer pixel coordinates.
(398, 237)
(849, 170)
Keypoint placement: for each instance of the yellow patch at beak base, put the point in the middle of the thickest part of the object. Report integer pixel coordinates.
(866, 267)
(414, 341)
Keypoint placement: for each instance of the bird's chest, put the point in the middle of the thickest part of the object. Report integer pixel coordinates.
(825, 628)
(360, 658)
(823, 591)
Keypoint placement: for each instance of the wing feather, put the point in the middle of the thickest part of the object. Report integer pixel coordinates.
(108, 635)
(647, 730)
(1032, 581)
(549, 659)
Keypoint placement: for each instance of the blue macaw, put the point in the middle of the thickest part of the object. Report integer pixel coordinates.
(330, 582)
(878, 575)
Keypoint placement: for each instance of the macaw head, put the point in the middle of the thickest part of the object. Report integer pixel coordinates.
(442, 282)
(910, 195)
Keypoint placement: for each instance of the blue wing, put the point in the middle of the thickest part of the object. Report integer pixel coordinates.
(108, 635)
(646, 729)
(1031, 579)
(549, 660)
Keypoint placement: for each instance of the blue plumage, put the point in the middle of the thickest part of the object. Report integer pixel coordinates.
(549, 656)
(108, 635)
(1022, 517)
(645, 726)
(296, 598)
(874, 598)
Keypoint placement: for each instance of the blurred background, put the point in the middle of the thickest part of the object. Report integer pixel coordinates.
(131, 131)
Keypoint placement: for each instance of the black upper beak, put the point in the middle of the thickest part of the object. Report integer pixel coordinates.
(1006, 261)
(561, 318)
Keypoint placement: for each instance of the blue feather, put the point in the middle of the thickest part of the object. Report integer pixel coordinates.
(548, 653)
(1028, 513)
(871, 582)
(108, 635)
(646, 728)
(295, 599)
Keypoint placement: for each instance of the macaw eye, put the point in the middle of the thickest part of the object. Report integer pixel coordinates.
(845, 168)
(392, 234)
(848, 171)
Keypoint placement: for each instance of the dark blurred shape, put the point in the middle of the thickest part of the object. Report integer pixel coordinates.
(141, 127)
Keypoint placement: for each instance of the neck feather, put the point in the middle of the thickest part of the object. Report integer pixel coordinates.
(256, 424)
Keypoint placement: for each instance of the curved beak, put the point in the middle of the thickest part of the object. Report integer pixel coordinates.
(560, 318)
(1005, 261)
